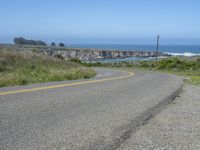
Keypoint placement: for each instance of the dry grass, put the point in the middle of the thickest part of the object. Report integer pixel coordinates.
(20, 68)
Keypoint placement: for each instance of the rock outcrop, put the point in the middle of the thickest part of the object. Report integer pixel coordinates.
(85, 54)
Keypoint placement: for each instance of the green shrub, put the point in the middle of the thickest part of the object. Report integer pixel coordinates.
(34, 50)
(77, 60)
(59, 56)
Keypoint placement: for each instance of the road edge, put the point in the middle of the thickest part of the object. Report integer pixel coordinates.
(144, 118)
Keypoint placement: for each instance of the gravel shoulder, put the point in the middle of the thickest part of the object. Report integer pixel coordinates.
(176, 127)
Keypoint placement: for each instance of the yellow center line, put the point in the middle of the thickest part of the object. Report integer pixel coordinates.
(130, 74)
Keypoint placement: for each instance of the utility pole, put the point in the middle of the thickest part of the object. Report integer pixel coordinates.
(157, 48)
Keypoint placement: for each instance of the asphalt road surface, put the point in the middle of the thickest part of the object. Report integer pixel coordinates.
(99, 113)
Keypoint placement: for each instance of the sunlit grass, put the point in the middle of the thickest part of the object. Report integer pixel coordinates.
(17, 68)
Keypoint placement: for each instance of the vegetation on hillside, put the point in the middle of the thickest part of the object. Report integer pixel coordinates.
(17, 68)
(172, 64)
(184, 67)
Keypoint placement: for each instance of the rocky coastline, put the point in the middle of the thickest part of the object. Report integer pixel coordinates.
(83, 53)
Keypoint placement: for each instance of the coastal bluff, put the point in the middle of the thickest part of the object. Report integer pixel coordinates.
(82, 53)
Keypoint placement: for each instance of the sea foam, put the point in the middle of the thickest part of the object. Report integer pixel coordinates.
(187, 54)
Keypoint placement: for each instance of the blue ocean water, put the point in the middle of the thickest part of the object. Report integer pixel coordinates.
(185, 50)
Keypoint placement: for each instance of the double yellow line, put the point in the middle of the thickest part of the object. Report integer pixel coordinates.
(130, 74)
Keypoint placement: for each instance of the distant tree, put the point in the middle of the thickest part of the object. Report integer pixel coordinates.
(53, 44)
(23, 41)
(31, 42)
(62, 45)
(19, 40)
(41, 43)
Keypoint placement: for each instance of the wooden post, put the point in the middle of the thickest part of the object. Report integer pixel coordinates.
(157, 48)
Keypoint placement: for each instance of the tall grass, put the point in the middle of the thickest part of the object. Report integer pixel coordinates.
(20, 68)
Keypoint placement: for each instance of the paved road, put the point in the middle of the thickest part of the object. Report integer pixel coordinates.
(177, 127)
(100, 114)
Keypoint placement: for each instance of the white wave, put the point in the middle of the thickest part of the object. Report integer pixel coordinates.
(187, 54)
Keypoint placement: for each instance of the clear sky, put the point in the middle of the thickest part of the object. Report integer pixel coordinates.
(101, 21)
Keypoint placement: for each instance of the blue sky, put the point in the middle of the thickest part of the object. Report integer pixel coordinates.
(101, 21)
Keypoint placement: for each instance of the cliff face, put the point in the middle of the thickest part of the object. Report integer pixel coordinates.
(83, 54)
(100, 54)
